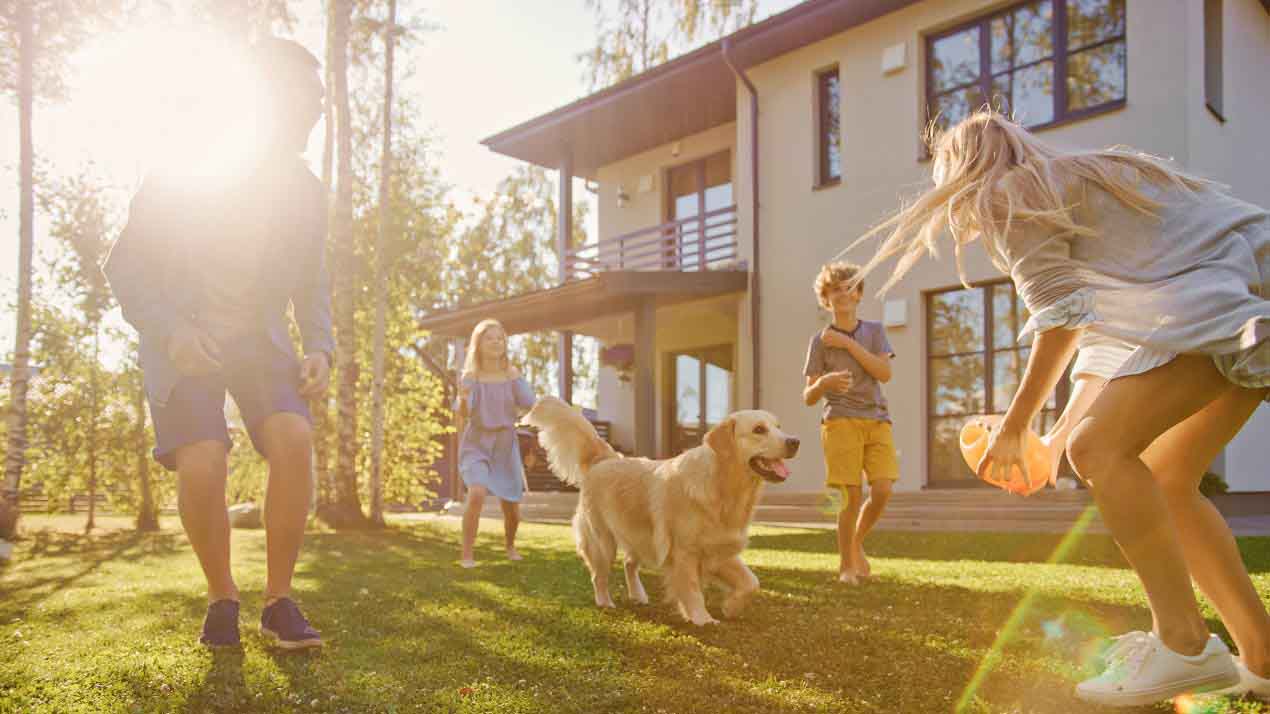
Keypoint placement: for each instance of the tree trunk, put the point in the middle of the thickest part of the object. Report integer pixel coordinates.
(15, 456)
(321, 406)
(381, 283)
(147, 514)
(93, 407)
(348, 508)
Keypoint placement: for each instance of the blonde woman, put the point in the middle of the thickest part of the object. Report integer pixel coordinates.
(492, 395)
(1125, 247)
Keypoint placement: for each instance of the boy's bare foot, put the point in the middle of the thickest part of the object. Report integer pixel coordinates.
(467, 563)
(848, 577)
(861, 563)
(513, 554)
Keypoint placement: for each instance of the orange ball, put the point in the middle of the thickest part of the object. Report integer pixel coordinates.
(975, 436)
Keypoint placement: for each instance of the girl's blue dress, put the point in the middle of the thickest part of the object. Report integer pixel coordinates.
(489, 454)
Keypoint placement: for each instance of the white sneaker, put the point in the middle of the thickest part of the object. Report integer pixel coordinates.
(1141, 669)
(1249, 683)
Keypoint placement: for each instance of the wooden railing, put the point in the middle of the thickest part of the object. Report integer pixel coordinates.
(704, 242)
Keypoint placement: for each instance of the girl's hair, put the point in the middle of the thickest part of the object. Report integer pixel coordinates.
(990, 172)
(471, 360)
(830, 275)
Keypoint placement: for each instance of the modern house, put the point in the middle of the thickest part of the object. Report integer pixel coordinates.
(727, 176)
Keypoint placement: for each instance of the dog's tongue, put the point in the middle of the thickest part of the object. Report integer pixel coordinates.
(780, 468)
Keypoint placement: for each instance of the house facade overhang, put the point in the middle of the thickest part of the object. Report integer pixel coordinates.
(684, 96)
(608, 293)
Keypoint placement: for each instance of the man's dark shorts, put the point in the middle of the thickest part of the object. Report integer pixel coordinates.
(263, 381)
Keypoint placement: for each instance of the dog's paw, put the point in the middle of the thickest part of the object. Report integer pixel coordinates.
(605, 603)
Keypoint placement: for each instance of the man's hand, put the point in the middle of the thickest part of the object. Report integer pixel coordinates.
(315, 375)
(193, 352)
(839, 382)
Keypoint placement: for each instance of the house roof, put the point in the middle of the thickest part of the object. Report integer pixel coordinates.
(607, 294)
(684, 96)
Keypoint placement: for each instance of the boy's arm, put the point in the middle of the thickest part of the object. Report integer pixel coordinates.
(813, 391)
(878, 366)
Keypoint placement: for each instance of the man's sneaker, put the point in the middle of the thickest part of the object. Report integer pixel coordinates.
(283, 626)
(220, 626)
(1141, 670)
(1249, 684)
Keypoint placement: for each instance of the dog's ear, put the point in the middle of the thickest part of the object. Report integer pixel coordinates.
(722, 438)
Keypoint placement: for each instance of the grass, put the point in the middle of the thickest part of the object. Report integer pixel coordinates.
(108, 624)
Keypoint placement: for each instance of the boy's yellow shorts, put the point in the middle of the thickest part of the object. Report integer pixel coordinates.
(853, 445)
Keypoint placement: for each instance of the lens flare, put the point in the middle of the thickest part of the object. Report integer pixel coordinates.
(1018, 616)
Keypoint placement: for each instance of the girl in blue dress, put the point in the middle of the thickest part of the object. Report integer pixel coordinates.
(492, 395)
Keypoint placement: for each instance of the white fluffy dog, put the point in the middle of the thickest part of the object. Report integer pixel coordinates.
(689, 515)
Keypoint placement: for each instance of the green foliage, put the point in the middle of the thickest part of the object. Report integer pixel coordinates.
(1212, 484)
(632, 36)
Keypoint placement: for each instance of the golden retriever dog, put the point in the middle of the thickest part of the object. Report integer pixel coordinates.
(689, 515)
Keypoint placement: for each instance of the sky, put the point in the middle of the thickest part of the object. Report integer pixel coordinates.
(490, 65)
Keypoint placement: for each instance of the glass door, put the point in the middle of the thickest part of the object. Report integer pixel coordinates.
(701, 383)
(699, 189)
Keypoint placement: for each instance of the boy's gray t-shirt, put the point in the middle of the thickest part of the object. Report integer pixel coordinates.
(864, 399)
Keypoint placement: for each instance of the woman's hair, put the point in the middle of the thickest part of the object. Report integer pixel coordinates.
(830, 275)
(471, 361)
(990, 172)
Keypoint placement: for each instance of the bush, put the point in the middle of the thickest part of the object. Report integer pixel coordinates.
(1212, 484)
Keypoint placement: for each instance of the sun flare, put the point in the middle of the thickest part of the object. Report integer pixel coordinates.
(175, 100)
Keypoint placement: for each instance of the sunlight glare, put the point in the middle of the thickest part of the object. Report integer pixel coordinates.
(171, 99)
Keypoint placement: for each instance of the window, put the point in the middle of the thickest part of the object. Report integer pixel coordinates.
(974, 367)
(828, 128)
(700, 189)
(1213, 58)
(701, 382)
(1044, 62)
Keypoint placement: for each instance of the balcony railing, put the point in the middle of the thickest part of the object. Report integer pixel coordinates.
(704, 242)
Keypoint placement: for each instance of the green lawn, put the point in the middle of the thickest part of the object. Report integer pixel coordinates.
(108, 623)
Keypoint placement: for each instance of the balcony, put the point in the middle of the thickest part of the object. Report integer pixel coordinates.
(698, 243)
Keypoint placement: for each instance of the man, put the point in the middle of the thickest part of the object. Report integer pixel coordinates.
(204, 270)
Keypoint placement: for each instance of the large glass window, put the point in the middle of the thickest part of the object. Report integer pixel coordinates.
(975, 365)
(1043, 61)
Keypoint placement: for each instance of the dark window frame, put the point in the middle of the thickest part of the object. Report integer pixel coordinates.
(987, 354)
(1061, 53)
(823, 108)
(1213, 55)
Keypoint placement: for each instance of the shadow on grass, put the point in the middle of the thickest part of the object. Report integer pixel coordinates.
(89, 552)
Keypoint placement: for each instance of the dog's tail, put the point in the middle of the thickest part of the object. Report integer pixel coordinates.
(573, 446)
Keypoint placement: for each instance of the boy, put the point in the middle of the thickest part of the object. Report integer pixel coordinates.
(846, 364)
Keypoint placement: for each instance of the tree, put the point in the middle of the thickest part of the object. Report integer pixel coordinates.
(509, 249)
(633, 36)
(79, 221)
(381, 285)
(347, 509)
(38, 37)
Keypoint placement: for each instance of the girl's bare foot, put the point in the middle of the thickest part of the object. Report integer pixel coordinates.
(849, 577)
(513, 554)
(467, 563)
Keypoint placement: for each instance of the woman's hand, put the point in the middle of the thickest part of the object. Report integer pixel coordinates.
(1004, 454)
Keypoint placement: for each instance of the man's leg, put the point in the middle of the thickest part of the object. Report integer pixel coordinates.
(286, 440)
(201, 473)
